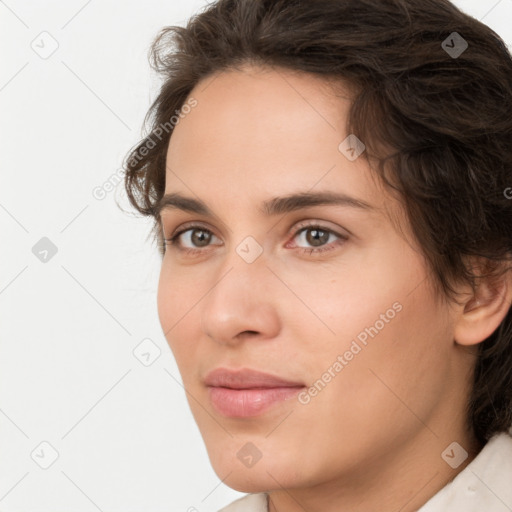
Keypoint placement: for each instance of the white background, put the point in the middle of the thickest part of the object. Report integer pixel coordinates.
(124, 434)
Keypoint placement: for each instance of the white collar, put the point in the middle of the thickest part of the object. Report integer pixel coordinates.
(485, 484)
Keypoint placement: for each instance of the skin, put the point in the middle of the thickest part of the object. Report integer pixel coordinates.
(372, 438)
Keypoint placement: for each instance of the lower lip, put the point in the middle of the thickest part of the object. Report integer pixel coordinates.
(244, 403)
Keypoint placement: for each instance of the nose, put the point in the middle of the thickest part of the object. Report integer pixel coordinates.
(242, 302)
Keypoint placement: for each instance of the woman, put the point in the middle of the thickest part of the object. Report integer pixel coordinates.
(330, 185)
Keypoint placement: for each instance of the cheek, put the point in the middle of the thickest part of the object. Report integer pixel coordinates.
(167, 295)
(356, 300)
(395, 366)
(418, 353)
(178, 293)
(382, 318)
(176, 297)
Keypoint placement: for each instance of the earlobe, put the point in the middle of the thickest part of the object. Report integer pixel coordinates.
(484, 311)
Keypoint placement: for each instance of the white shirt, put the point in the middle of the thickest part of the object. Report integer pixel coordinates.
(484, 485)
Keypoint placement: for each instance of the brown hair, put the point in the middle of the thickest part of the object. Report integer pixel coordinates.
(447, 116)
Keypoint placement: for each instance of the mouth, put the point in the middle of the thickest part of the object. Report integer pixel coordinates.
(247, 393)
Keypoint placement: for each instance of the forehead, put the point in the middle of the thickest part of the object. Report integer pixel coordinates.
(265, 132)
(241, 108)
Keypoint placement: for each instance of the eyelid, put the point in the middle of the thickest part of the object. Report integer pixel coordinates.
(322, 224)
(294, 229)
(190, 225)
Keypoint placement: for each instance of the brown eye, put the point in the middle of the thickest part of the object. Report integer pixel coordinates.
(199, 238)
(317, 237)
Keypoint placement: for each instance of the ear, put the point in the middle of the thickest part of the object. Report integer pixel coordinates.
(484, 309)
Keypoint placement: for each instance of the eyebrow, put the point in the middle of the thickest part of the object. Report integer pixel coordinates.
(274, 206)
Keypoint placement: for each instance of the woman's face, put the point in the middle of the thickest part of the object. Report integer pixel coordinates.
(330, 298)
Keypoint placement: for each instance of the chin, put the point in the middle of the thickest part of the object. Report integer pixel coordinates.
(249, 483)
(269, 472)
(253, 480)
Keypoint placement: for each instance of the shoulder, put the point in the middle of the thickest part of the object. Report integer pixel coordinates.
(250, 503)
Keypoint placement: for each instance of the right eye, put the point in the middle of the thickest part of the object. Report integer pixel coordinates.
(196, 234)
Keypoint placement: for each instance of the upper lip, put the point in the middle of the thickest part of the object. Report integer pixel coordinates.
(246, 379)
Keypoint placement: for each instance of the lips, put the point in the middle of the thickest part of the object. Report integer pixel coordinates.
(246, 379)
(245, 393)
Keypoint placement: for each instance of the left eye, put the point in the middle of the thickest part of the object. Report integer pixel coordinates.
(317, 236)
(201, 237)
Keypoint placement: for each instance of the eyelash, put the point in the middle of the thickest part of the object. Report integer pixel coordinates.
(173, 241)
